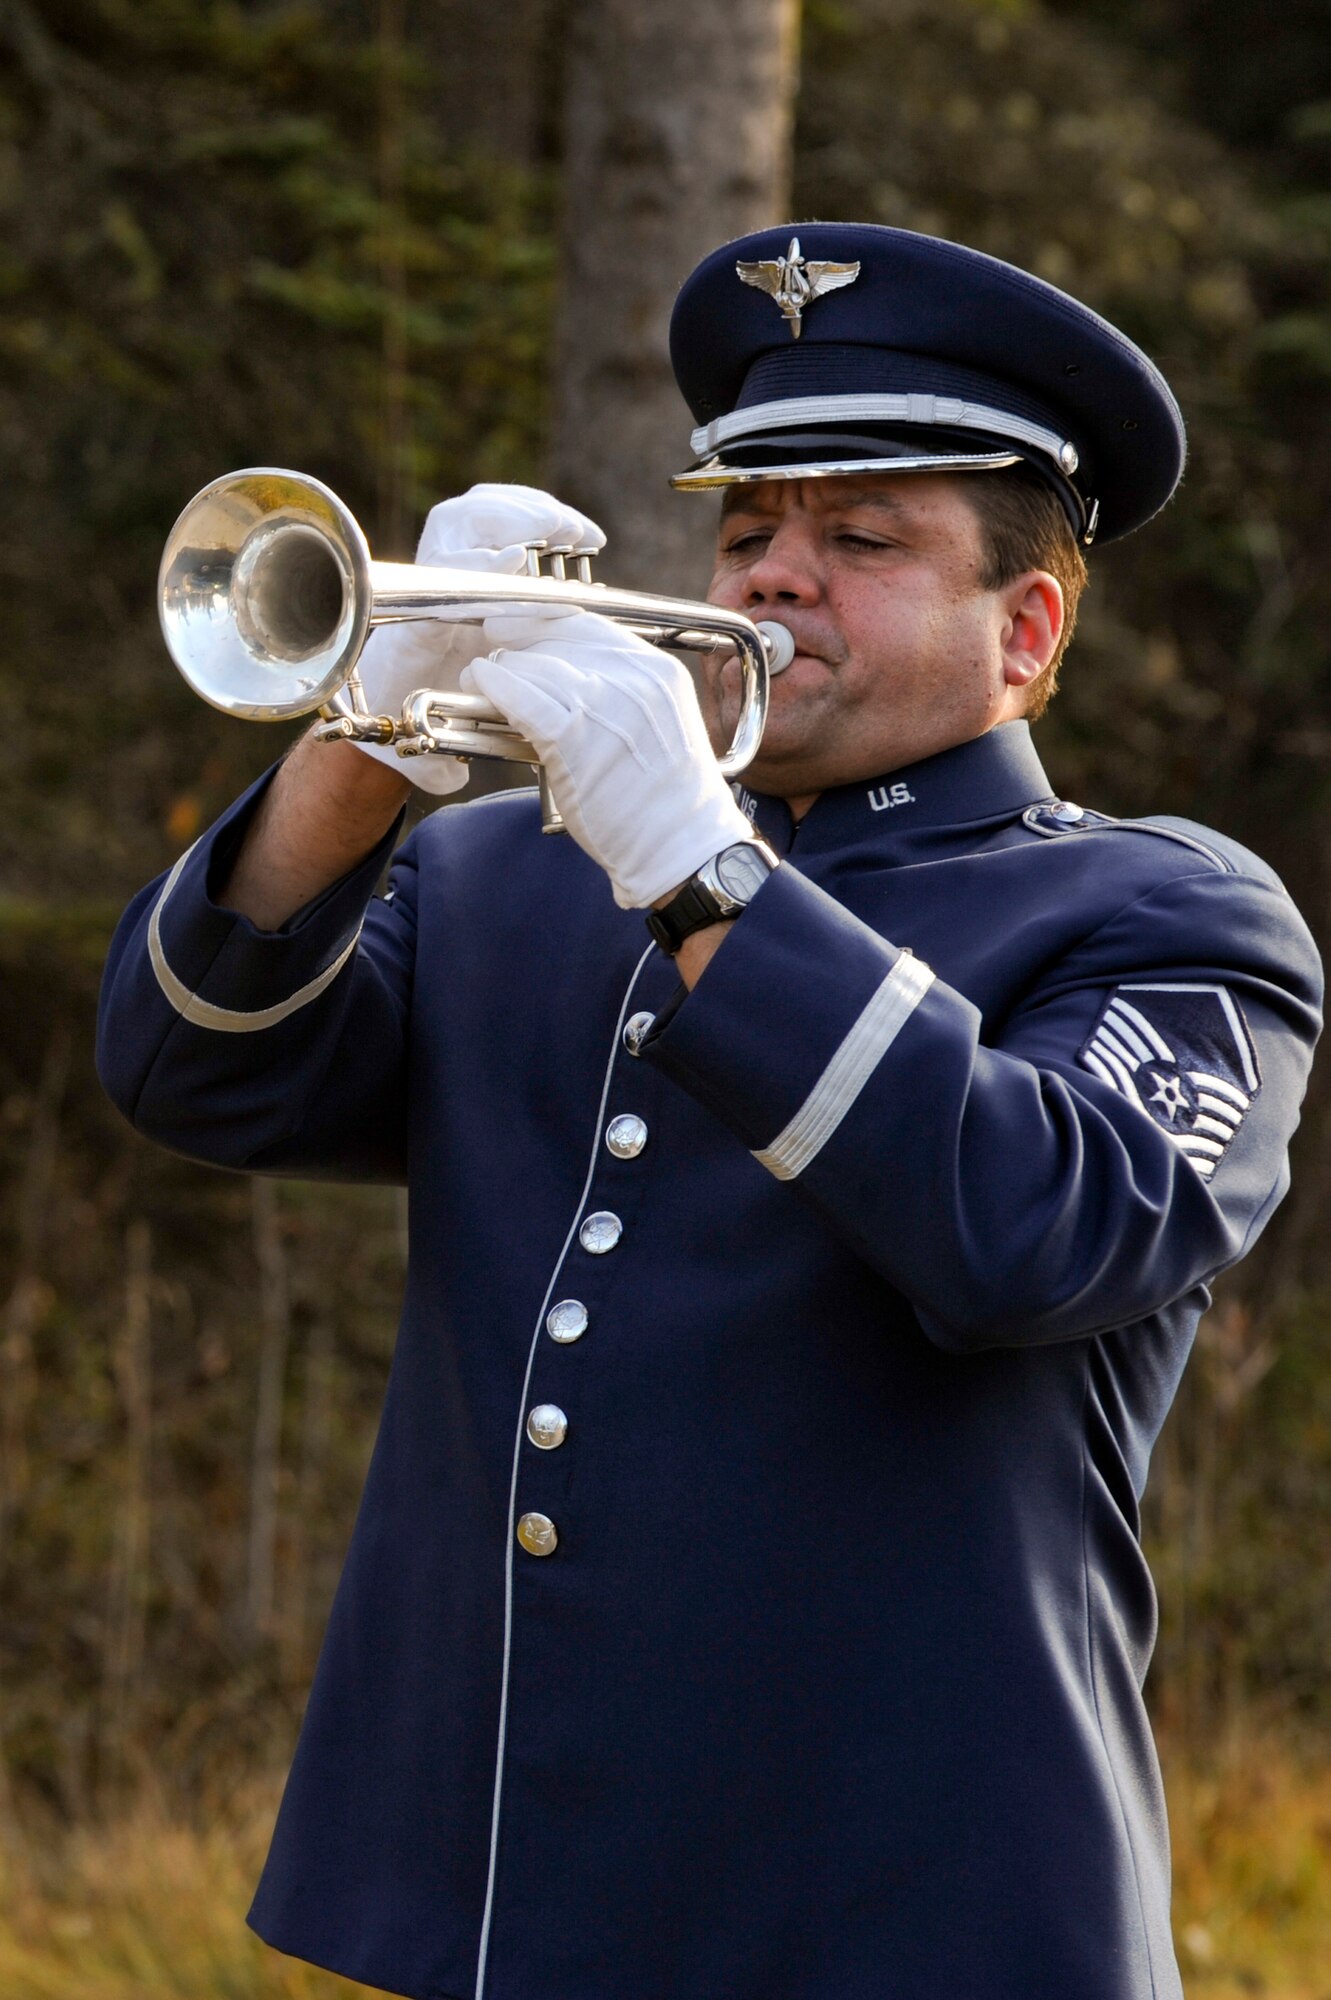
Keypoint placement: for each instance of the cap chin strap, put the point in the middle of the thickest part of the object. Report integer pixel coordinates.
(716, 472)
(949, 412)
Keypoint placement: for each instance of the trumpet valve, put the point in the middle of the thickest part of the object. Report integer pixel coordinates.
(552, 559)
(355, 728)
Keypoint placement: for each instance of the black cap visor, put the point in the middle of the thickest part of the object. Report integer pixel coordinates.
(833, 453)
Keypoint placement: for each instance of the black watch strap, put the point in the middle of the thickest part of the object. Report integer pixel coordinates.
(722, 887)
(692, 909)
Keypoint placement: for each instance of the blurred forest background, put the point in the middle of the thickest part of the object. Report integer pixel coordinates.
(406, 246)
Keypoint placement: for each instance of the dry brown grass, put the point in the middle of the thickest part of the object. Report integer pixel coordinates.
(1252, 1871)
(146, 1909)
(152, 1907)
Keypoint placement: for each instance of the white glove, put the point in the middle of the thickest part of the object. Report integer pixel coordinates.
(621, 736)
(485, 529)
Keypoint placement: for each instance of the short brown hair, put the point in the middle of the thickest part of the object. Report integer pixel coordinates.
(1024, 526)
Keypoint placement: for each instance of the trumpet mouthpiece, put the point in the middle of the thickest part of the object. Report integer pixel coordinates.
(780, 643)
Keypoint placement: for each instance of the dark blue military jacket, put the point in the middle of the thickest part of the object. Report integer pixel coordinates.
(830, 1688)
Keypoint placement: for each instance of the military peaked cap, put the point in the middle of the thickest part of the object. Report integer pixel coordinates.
(831, 347)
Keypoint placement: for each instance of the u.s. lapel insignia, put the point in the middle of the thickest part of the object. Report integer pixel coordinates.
(795, 283)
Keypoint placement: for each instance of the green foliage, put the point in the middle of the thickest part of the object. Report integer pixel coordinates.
(1238, 1522)
(1013, 130)
(1200, 680)
(234, 235)
(1101, 145)
(135, 1311)
(240, 233)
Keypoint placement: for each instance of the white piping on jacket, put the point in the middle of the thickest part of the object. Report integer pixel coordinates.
(615, 1045)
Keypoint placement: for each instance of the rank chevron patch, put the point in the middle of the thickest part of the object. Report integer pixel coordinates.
(1184, 1056)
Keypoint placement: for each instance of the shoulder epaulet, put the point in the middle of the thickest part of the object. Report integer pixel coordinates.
(1059, 816)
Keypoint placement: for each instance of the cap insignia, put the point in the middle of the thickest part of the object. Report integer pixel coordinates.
(795, 283)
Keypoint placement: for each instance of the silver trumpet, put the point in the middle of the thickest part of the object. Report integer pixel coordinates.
(267, 594)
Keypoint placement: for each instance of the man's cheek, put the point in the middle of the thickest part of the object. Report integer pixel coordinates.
(724, 588)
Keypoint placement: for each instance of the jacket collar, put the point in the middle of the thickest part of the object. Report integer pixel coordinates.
(994, 776)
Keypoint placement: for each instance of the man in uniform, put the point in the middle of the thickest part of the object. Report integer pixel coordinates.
(746, 1601)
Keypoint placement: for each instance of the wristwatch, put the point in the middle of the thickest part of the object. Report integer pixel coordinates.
(722, 887)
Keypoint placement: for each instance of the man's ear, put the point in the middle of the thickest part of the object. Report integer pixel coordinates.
(1033, 627)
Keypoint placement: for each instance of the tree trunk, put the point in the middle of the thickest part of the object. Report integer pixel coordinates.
(677, 137)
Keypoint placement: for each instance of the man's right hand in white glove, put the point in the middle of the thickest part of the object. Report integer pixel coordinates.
(487, 530)
(622, 739)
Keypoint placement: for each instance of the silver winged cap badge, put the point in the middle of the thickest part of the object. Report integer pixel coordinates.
(795, 283)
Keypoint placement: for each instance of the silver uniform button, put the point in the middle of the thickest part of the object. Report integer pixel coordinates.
(635, 1032)
(566, 1321)
(626, 1135)
(1065, 810)
(600, 1232)
(538, 1534)
(547, 1426)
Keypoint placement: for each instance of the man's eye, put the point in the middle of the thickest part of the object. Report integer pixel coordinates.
(748, 544)
(854, 538)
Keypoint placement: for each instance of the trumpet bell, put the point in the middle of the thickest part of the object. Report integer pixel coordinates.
(264, 594)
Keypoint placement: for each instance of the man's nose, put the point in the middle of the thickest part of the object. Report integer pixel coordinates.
(787, 571)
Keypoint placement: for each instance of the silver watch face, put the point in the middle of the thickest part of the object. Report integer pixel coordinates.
(738, 873)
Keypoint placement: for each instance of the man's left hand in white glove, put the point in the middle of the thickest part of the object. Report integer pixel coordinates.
(620, 733)
(487, 529)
